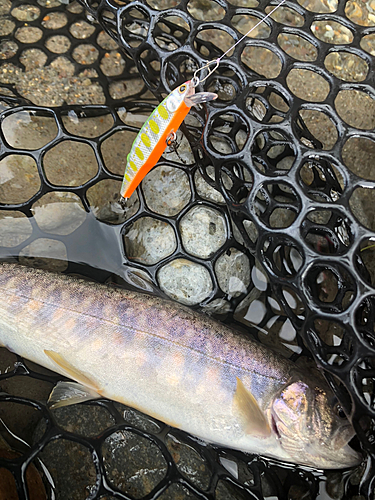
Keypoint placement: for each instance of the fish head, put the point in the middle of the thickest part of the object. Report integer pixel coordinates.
(312, 428)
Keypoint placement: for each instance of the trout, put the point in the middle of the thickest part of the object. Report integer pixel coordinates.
(179, 366)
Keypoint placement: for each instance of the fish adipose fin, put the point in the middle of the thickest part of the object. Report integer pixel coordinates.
(70, 393)
(71, 371)
(253, 419)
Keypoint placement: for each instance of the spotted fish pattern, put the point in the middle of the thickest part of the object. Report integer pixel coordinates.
(179, 366)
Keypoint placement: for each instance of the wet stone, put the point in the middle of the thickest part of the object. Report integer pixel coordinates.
(307, 85)
(71, 467)
(203, 231)
(205, 190)
(233, 272)
(180, 150)
(228, 491)
(15, 228)
(217, 307)
(166, 190)
(45, 253)
(361, 204)
(70, 163)
(138, 419)
(85, 54)
(189, 462)
(106, 42)
(22, 419)
(59, 213)
(19, 179)
(177, 492)
(185, 281)
(86, 420)
(116, 148)
(26, 130)
(49, 4)
(133, 464)
(87, 127)
(149, 241)
(103, 198)
(5, 6)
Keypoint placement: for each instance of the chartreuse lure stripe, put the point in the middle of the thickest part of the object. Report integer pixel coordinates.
(158, 131)
(160, 128)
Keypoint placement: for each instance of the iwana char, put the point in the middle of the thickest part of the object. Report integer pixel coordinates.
(174, 364)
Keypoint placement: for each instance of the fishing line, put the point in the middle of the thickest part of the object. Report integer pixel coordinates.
(196, 80)
(159, 130)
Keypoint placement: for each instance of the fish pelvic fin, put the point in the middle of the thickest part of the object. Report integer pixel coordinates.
(71, 371)
(252, 417)
(70, 393)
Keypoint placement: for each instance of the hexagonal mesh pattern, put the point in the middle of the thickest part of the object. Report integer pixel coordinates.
(261, 215)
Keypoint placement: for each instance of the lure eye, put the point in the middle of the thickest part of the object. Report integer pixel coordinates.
(182, 88)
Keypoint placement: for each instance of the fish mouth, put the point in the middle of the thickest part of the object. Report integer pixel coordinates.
(338, 454)
(341, 443)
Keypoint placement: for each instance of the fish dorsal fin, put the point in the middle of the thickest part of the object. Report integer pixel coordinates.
(253, 419)
(71, 371)
(70, 393)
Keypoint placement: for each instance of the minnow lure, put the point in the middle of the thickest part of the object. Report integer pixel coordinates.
(159, 131)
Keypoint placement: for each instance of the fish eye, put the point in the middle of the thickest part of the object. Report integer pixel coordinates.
(340, 412)
(182, 88)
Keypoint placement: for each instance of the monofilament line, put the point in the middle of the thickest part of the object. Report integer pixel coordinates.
(216, 62)
(251, 29)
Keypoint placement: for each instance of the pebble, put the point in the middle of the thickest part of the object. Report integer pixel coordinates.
(203, 231)
(149, 240)
(185, 281)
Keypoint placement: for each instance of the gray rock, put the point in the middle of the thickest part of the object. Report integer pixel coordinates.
(166, 190)
(232, 270)
(185, 281)
(59, 212)
(149, 240)
(203, 231)
(133, 463)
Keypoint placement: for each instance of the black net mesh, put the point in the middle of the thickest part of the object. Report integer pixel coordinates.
(262, 215)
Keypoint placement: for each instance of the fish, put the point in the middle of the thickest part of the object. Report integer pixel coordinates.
(174, 364)
(158, 132)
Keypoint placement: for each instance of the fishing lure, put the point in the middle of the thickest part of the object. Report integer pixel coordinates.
(159, 131)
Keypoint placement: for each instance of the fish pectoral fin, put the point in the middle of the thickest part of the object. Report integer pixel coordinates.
(70, 393)
(71, 371)
(253, 419)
